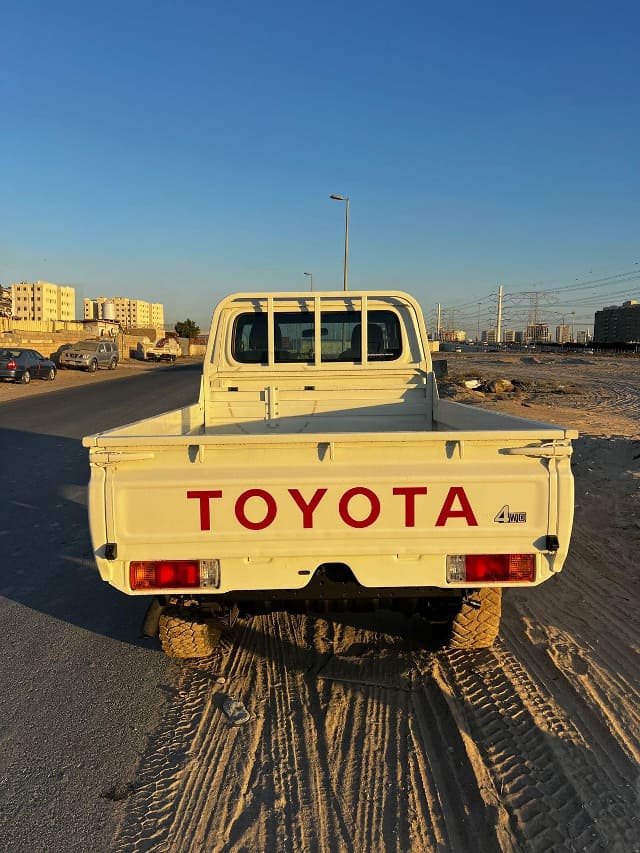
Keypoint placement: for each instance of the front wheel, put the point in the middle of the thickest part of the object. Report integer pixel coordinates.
(25, 378)
(477, 624)
(187, 636)
(51, 375)
(93, 366)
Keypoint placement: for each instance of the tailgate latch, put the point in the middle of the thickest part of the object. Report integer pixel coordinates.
(544, 451)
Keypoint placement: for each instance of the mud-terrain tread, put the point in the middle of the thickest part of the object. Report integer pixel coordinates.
(477, 624)
(181, 637)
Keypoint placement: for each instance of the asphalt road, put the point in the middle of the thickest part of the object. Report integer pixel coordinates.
(80, 691)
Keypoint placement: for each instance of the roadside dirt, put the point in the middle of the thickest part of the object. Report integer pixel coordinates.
(362, 739)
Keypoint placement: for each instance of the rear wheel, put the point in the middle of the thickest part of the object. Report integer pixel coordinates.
(112, 364)
(187, 636)
(25, 378)
(477, 624)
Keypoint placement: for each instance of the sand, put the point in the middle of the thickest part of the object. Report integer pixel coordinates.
(362, 738)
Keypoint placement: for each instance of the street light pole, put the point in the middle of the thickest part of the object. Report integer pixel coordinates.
(346, 237)
(311, 275)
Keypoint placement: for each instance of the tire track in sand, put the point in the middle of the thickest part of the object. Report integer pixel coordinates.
(360, 743)
(351, 749)
(559, 796)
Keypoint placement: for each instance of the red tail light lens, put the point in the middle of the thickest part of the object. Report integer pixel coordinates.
(164, 574)
(12, 364)
(174, 574)
(487, 568)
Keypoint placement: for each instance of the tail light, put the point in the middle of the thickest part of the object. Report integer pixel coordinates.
(174, 574)
(12, 364)
(491, 568)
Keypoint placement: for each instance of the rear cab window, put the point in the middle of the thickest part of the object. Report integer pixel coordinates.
(341, 337)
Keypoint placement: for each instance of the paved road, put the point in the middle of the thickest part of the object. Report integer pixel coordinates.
(80, 691)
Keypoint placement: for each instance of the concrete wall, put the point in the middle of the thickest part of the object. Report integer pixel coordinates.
(41, 326)
(50, 343)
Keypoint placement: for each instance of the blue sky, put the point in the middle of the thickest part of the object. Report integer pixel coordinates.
(179, 151)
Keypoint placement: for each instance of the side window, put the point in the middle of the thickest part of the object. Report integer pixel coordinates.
(249, 345)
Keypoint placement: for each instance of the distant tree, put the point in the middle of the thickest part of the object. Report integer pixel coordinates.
(187, 329)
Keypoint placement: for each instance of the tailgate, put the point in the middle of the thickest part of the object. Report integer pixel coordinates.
(272, 511)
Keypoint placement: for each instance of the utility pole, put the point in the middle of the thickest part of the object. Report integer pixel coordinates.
(499, 321)
(439, 322)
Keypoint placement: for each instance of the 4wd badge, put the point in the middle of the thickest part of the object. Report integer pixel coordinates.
(505, 516)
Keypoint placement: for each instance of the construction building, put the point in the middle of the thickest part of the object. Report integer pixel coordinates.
(453, 335)
(6, 302)
(43, 300)
(537, 333)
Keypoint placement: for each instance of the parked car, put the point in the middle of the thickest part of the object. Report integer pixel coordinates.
(23, 365)
(90, 355)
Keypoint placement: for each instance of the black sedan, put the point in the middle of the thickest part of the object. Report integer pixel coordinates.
(23, 365)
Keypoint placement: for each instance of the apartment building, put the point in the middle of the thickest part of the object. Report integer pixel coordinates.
(617, 324)
(43, 300)
(130, 313)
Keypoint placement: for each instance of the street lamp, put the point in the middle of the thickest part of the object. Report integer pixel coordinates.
(346, 237)
(310, 274)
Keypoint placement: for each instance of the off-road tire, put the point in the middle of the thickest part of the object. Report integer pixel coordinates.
(187, 637)
(477, 624)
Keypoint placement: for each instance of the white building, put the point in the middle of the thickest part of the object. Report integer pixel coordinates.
(130, 313)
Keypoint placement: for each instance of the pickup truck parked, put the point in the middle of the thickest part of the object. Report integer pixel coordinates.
(166, 349)
(319, 468)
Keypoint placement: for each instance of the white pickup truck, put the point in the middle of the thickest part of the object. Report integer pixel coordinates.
(165, 349)
(319, 468)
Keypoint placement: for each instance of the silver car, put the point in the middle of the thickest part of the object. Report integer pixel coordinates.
(90, 355)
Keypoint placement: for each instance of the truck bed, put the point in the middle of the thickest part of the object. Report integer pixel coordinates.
(378, 423)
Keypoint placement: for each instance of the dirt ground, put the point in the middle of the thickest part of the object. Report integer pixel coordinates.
(361, 739)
